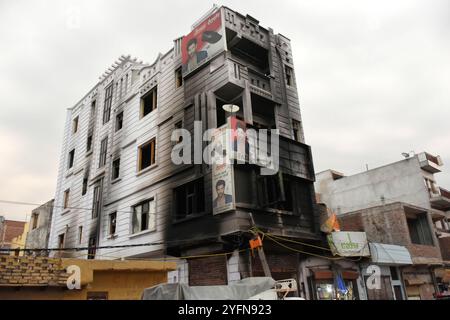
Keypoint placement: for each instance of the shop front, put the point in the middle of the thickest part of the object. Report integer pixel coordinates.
(333, 284)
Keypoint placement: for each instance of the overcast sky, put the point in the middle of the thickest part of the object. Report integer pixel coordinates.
(373, 76)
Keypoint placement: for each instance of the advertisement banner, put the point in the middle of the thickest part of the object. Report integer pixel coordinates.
(222, 171)
(203, 43)
(349, 244)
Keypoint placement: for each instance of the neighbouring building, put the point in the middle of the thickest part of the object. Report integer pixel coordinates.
(43, 278)
(18, 243)
(9, 229)
(398, 204)
(117, 183)
(39, 229)
(407, 226)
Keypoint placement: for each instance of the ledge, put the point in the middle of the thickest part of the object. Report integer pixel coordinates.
(141, 233)
(139, 173)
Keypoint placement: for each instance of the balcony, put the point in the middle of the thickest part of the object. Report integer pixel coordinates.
(259, 84)
(245, 27)
(440, 200)
(429, 162)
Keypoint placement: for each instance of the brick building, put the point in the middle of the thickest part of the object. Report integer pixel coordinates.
(403, 225)
(9, 229)
(417, 214)
(43, 278)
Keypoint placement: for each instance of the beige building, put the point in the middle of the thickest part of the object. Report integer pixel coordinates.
(39, 278)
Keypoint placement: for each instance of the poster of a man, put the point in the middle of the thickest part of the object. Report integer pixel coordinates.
(195, 57)
(222, 198)
(202, 43)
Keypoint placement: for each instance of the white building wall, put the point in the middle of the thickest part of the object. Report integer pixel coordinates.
(401, 181)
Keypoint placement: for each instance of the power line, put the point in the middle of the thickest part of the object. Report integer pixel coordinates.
(53, 206)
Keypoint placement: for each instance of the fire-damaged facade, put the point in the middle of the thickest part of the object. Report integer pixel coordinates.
(117, 182)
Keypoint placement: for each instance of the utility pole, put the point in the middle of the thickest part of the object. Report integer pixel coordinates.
(261, 254)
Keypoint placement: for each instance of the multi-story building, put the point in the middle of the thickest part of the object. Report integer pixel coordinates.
(397, 204)
(39, 229)
(117, 183)
(410, 180)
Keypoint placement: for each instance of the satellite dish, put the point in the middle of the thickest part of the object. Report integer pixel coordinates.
(231, 108)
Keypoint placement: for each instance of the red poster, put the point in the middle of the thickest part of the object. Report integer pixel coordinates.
(204, 42)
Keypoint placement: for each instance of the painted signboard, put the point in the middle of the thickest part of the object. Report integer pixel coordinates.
(349, 244)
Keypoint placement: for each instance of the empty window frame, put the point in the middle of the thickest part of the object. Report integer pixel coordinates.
(144, 216)
(419, 229)
(119, 121)
(147, 154)
(178, 78)
(84, 186)
(108, 103)
(80, 234)
(96, 201)
(115, 169)
(289, 75)
(61, 241)
(189, 199)
(75, 125)
(89, 143)
(71, 159)
(34, 220)
(103, 152)
(297, 130)
(149, 102)
(66, 199)
(112, 223)
(92, 247)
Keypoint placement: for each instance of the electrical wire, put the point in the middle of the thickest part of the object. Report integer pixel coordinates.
(56, 206)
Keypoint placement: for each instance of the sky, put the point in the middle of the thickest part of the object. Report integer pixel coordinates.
(373, 76)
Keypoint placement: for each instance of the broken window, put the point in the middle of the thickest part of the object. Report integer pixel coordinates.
(84, 187)
(108, 103)
(112, 223)
(89, 143)
(285, 192)
(148, 102)
(71, 158)
(116, 169)
(289, 76)
(75, 125)
(297, 130)
(96, 202)
(144, 216)
(119, 121)
(147, 156)
(189, 199)
(92, 247)
(178, 78)
(34, 220)
(61, 241)
(419, 229)
(103, 151)
(66, 199)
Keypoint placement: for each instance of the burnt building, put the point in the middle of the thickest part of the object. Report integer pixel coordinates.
(118, 183)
